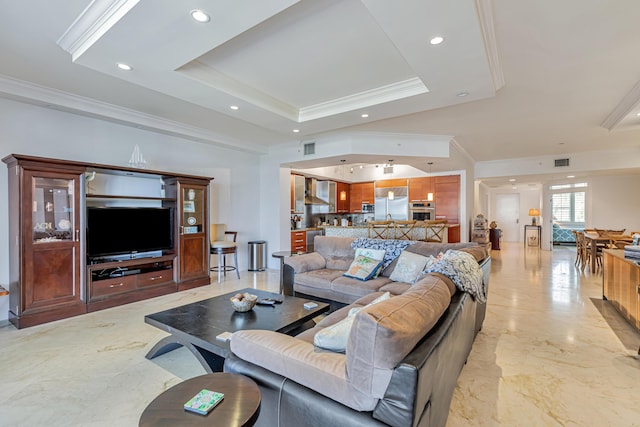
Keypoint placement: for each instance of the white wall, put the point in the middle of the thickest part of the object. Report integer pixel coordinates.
(37, 131)
(530, 197)
(612, 202)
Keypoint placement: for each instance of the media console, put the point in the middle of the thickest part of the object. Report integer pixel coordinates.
(51, 277)
(116, 282)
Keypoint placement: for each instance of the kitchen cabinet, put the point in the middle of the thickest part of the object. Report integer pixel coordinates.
(298, 241)
(361, 192)
(447, 200)
(621, 285)
(343, 195)
(391, 183)
(326, 190)
(419, 188)
(297, 193)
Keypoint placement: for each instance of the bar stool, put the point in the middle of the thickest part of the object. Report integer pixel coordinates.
(378, 229)
(404, 229)
(223, 243)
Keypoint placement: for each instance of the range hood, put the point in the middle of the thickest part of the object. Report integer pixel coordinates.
(310, 195)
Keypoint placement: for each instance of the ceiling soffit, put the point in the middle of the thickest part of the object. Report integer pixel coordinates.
(282, 62)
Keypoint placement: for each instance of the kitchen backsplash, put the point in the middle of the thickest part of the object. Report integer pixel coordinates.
(313, 220)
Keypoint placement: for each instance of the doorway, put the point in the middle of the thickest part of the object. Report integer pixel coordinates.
(508, 216)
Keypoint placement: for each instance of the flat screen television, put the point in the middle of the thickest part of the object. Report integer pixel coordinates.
(127, 230)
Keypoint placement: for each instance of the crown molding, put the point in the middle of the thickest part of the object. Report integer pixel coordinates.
(368, 98)
(485, 15)
(63, 101)
(623, 109)
(92, 24)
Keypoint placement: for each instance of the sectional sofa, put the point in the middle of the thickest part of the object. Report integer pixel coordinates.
(403, 353)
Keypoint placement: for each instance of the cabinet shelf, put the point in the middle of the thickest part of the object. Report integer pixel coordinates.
(113, 197)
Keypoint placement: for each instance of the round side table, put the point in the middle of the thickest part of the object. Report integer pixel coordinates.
(240, 406)
(282, 255)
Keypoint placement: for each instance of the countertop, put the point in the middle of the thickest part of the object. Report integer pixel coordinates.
(308, 229)
(418, 224)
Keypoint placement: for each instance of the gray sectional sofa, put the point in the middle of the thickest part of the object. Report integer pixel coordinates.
(403, 355)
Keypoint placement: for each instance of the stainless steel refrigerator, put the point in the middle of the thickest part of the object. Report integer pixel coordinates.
(397, 207)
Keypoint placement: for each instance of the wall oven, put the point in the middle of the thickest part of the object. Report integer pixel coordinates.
(422, 211)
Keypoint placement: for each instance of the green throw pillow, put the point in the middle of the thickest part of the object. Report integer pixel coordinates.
(363, 268)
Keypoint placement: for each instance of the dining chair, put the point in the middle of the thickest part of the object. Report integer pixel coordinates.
(223, 243)
(378, 229)
(583, 256)
(404, 229)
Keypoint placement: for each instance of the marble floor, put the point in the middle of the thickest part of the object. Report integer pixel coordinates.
(551, 353)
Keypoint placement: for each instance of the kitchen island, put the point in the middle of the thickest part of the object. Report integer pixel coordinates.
(419, 232)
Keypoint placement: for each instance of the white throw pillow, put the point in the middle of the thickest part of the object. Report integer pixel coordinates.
(335, 337)
(408, 267)
(372, 253)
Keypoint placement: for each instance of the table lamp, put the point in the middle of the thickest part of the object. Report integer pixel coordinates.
(534, 213)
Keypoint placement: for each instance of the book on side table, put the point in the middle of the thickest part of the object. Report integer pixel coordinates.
(203, 402)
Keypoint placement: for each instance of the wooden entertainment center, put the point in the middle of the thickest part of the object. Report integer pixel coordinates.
(51, 273)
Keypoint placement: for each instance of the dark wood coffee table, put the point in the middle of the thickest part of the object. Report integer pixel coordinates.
(240, 406)
(196, 325)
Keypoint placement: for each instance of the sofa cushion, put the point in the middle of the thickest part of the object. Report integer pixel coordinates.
(396, 288)
(357, 288)
(297, 360)
(408, 267)
(385, 333)
(337, 251)
(320, 278)
(335, 337)
(363, 268)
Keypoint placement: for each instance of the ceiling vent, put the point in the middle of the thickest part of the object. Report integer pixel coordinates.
(561, 162)
(309, 148)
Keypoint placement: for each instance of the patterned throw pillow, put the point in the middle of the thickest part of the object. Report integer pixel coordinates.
(363, 268)
(372, 253)
(408, 268)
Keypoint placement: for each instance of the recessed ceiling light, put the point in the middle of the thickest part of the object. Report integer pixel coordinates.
(436, 40)
(200, 16)
(638, 114)
(364, 116)
(512, 180)
(296, 130)
(462, 94)
(124, 66)
(234, 107)
(571, 176)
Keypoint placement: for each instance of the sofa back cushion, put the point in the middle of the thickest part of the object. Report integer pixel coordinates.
(336, 250)
(383, 334)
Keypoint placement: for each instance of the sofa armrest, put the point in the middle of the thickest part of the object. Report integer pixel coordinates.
(306, 262)
(299, 361)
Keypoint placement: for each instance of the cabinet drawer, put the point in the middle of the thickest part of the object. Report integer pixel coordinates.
(155, 277)
(116, 285)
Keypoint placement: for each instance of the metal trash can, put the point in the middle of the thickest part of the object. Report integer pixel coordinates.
(257, 255)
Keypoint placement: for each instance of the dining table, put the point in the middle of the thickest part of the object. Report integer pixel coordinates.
(604, 240)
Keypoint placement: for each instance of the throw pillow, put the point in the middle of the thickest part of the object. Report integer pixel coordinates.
(408, 268)
(335, 337)
(363, 268)
(372, 253)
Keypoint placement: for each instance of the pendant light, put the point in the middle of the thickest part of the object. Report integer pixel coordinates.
(430, 194)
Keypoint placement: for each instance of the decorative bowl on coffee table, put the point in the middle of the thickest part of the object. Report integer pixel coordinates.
(243, 302)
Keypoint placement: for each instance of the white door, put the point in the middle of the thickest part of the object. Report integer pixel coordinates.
(508, 216)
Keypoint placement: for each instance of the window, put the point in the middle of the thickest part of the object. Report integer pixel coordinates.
(568, 207)
(568, 203)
